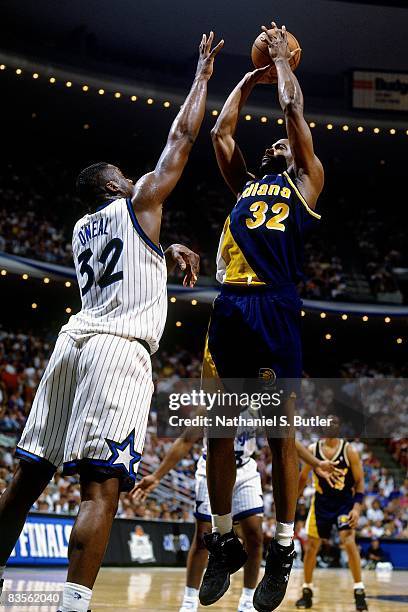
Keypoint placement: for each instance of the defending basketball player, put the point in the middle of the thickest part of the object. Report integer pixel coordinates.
(247, 507)
(91, 408)
(255, 324)
(339, 506)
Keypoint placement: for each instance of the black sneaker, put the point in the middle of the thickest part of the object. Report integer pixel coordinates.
(306, 601)
(227, 556)
(359, 596)
(272, 588)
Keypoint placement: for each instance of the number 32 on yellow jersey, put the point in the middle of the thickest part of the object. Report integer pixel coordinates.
(259, 210)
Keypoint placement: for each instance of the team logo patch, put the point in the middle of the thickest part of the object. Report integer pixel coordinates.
(123, 453)
(342, 520)
(268, 376)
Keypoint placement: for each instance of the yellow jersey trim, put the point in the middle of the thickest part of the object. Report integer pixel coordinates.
(237, 270)
(311, 523)
(301, 198)
(209, 369)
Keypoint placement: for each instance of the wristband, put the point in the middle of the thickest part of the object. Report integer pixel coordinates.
(358, 498)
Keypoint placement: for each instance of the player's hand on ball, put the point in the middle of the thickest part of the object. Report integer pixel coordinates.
(144, 487)
(277, 40)
(207, 56)
(353, 518)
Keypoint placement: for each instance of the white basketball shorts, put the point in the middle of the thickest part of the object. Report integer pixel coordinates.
(247, 497)
(91, 408)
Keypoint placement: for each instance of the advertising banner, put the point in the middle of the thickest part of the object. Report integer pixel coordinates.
(380, 90)
(44, 541)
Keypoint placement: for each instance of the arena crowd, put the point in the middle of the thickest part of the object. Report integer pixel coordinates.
(23, 358)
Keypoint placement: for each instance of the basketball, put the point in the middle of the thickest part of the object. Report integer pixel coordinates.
(260, 54)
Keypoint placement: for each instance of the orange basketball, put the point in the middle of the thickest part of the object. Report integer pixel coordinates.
(260, 54)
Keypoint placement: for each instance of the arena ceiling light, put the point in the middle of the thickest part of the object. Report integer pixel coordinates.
(167, 102)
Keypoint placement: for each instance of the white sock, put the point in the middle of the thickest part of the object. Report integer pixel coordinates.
(284, 533)
(222, 523)
(307, 585)
(190, 593)
(247, 594)
(359, 585)
(76, 598)
(2, 568)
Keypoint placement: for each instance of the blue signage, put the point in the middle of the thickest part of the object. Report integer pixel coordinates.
(43, 541)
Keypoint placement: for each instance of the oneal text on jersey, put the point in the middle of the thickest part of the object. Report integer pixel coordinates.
(92, 230)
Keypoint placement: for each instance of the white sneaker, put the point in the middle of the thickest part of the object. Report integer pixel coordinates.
(246, 605)
(189, 605)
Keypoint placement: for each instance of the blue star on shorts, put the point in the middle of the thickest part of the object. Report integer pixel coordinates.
(124, 453)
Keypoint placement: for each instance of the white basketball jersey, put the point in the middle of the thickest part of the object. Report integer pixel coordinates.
(244, 443)
(122, 276)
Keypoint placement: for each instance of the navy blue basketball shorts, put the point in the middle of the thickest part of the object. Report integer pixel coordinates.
(254, 332)
(323, 515)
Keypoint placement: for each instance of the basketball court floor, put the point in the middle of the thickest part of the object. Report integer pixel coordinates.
(158, 589)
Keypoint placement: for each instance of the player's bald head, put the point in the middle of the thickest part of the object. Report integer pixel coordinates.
(101, 181)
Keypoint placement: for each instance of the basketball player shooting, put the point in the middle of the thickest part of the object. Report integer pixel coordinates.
(91, 408)
(255, 323)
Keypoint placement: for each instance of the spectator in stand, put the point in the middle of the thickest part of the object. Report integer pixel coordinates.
(23, 357)
(30, 226)
(375, 554)
(375, 513)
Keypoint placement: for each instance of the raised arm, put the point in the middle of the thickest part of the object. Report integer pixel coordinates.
(153, 188)
(229, 156)
(308, 168)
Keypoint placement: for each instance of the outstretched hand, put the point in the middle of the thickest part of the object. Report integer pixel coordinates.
(178, 255)
(207, 56)
(329, 471)
(277, 41)
(144, 487)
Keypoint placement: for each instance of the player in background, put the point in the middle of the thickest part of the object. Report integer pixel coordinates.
(338, 506)
(247, 504)
(255, 323)
(91, 407)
